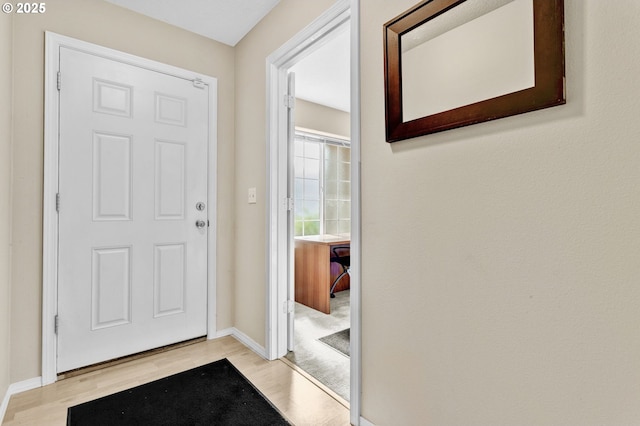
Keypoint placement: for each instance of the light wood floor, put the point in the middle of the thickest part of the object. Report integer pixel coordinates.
(298, 398)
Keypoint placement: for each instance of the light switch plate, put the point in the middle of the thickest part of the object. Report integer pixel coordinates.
(252, 199)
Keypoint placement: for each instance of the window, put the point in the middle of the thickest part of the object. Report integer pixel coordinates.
(322, 178)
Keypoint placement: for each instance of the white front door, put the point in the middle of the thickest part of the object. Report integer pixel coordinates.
(132, 268)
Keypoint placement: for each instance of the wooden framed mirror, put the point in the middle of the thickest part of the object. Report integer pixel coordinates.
(452, 63)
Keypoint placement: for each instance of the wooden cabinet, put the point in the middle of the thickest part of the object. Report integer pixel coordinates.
(314, 273)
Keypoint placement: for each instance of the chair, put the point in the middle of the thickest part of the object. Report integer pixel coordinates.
(341, 256)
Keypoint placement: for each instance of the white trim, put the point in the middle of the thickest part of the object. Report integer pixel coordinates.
(276, 65)
(25, 385)
(250, 343)
(49, 215)
(320, 133)
(244, 339)
(212, 207)
(53, 43)
(356, 229)
(16, 388)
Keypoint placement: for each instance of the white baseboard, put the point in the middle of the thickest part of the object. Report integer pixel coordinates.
(248, 341)
(16, 388)
(244, 339)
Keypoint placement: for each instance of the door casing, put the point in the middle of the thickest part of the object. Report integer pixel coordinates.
(277, 246)
(53, 42)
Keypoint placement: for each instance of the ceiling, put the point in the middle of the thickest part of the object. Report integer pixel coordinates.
(321, 77)
(221, 20)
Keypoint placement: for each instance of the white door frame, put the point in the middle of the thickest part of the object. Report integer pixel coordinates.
(50, 215)
(277, 237)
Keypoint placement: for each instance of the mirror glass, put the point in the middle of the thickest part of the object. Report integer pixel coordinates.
(482, 50)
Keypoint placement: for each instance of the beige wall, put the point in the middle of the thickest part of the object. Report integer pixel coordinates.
(108, 25)
(5, 197)
(514, 299)
(317, 117)
(284, 21)
(500, 262)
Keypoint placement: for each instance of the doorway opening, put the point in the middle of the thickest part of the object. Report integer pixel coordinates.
(321, 240)
(281, 312)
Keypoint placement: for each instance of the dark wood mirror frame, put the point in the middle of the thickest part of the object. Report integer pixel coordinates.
(549, 89)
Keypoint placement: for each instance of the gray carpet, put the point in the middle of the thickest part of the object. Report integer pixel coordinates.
(326, 364)
(340, 341)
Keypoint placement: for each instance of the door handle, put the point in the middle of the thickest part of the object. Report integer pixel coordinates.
(200, 224)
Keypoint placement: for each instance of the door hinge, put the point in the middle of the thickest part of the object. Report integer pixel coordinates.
(289, 306)
(56, 324)
(58, 202)
(288, 203)
(199, 84)
(289, 101)
(59, 81)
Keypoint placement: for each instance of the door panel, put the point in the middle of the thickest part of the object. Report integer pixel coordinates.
(111, 176)
(110, 287)
(169, 180)
(133, 166)
(169, 279)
